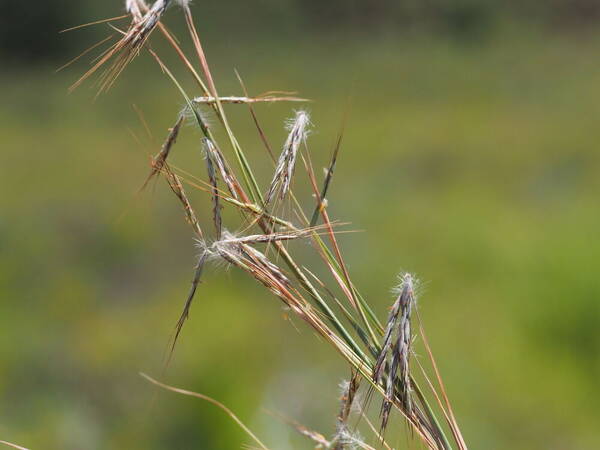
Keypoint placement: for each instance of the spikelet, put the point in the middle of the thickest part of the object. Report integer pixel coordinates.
(348, 393)
(261, 260)
(268, 238)
(219, 161)
(238, 252)
(397, 356)
(387, 341)
(177, 188)
(159, 161)
(129, 46)
(287, 160)
(403, 345)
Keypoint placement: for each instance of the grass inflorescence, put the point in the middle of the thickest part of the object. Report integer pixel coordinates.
(270, 215)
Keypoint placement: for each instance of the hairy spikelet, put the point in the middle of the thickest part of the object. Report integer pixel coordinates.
(159, 161)
(287, 160)
(227, 249)
(219, 160)
(129, 46)
(396, 356)
(403, 345)
(350, 440)
(387, 341)
(207, 100)
(149, 22)
(239, 252)
(260, 259)
(348, 393)
(268, 238)
(177, 188)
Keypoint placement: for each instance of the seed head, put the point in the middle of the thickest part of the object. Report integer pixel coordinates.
(395, 357)
(284, 171)
(144, 21)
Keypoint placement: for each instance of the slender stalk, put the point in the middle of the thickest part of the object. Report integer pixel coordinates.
(210, 400)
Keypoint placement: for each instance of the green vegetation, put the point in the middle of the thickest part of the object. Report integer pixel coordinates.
(473, 166)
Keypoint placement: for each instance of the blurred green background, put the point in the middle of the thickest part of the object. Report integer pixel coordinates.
(470, 158)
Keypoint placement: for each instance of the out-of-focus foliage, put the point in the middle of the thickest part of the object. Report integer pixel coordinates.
(28, 29)
(473, 166)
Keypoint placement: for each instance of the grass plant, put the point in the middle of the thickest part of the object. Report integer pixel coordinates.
(380, 355)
